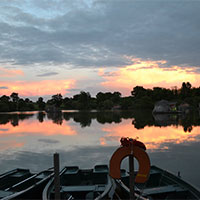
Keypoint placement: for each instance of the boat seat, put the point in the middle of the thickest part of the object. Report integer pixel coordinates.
(163, 189)
(72, 170)
(100, 188)
(100, 177)
(101, 168)
(82, 188)
(71, 176)
(5, 193)
(20, 174)
(44, 174)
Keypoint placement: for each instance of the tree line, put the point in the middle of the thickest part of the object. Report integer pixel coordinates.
(85, 118)
(140, 98)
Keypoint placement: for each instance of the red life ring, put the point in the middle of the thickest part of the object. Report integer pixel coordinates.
(141, 156)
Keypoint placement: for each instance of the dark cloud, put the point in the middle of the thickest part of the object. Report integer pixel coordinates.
(48, 74)
(102, 33)
(74, 90)
(3, 87)
(49, 141)
(110, 74)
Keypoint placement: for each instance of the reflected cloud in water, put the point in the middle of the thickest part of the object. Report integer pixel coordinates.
(106, 127)
(11, 144)
(31, 126)
(154, 137)
(48, 141)
(89, 138)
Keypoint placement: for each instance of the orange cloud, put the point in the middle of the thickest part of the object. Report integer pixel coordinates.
(153, 137)
(148, 74)
(29, 127)
(10, 72)
(37, 88)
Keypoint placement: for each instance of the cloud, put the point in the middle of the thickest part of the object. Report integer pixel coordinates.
(148, 74)
(37, 88)
(47, 74)
(101, 33)
(104, 73)
(10, 72)
(49, 141)
(3, 88)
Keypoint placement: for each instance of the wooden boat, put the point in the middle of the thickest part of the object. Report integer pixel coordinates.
(78, 183)
(10, 178)
(28, 186)
(160, 185)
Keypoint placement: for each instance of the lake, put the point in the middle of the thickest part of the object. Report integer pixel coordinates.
(29, 139)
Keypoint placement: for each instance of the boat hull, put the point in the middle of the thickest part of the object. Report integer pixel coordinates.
(161, 185)
(82, 184)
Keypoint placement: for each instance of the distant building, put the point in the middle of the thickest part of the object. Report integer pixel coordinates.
(165, 106)
(184, 108)
(161, 107)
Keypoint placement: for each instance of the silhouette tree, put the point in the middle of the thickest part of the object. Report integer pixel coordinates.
(138, 91)
(40, 103)
(15, 98)
(56, 100)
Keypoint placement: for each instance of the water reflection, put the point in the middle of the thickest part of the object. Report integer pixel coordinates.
(89, 138)
(153, 137)
(155, 131)
(41, 116)
(14, 118)
(139, 119)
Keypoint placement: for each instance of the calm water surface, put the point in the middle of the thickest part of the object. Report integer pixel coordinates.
(28, 140)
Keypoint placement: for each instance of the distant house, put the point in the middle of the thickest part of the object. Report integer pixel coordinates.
(173, 106)
(161, 106)
(184, 108)
(165, 106)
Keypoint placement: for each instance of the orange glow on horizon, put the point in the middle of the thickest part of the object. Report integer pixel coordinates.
(37, 88)
(153, 137)
(148, 74)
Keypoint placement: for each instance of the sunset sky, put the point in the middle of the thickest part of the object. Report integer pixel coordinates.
(66, 46)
